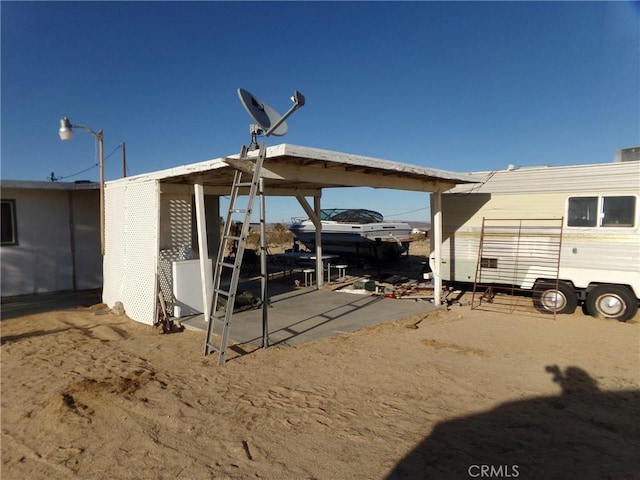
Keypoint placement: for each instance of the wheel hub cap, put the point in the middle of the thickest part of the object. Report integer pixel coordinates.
(611, 305)
(553, 300)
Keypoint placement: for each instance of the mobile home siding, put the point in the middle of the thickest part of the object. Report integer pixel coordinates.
(573, 179)
(58, 241)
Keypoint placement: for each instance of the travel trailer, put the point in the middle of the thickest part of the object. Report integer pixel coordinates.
(569, 235)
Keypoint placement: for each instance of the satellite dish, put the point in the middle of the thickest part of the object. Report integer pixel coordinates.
(265, 116)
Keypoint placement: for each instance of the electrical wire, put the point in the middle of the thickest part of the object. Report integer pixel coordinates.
(478, 186)
(86, 169)
(113, 151)
(77, 173)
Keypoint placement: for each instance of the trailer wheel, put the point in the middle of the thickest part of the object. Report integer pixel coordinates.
(612, 301)
(547, 299)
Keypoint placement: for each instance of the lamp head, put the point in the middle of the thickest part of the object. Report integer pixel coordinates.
(65, 132)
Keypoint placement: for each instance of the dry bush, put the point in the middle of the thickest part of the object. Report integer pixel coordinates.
(275, 236)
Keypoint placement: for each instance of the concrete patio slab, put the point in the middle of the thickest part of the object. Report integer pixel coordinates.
(306, 315)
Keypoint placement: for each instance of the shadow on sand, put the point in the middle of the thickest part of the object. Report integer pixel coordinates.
(21, 305)
(584, 433)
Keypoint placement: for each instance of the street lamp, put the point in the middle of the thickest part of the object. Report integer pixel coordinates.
(66, 133)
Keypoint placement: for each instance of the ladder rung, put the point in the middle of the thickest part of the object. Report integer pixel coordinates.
(232, 237)
(212, 347)
(244, 184)
(224, 293)
(239, 210)
(218, 319)
(228, 265)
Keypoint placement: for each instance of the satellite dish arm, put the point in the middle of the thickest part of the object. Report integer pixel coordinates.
(298, 101)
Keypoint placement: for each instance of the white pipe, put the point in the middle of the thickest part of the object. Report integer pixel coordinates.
(436, 229)
(319, 262)
(203, 250)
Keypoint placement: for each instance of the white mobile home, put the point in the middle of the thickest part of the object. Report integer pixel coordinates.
(592, 208)
(50, 237)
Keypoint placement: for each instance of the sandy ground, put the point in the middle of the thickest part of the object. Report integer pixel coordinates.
(456, 394)
(100, 396)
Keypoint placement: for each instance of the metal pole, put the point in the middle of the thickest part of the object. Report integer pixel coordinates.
(100, 138)
(263, 268)
(66, 134)
(299, 101)
(319, 262)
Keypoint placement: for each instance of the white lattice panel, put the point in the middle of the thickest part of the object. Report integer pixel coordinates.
(115, 243)
(132, 249)
(165, 273)
(142, 251)
(175, 240)
(175, 220)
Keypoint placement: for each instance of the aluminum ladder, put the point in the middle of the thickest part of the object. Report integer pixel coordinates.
(220, 325)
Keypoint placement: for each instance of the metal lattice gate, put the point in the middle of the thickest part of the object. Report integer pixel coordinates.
(518, 259)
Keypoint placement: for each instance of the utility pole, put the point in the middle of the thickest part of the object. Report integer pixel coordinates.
(124, 159)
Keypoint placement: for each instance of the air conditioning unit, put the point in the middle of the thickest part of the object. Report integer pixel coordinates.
(627, 155)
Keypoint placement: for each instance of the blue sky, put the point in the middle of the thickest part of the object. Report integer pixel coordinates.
(460, 86)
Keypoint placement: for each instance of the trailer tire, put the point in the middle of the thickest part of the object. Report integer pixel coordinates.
(612, 301)
(546, 298)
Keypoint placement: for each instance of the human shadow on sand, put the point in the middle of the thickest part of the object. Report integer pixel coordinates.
(583, 433)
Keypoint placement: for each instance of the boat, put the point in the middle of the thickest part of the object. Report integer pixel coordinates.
(355, 232)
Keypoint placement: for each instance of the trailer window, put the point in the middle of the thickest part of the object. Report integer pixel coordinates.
(601, 211)
(486, 262)
(583, 212)
(618, 211)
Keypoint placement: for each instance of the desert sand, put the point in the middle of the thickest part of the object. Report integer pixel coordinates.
(459, 393)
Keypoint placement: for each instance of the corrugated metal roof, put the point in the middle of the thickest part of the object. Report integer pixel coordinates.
(623, 176)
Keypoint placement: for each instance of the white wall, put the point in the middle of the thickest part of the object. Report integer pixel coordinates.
(132, 213)
(86, 220)
(52, 226)
(143, 217)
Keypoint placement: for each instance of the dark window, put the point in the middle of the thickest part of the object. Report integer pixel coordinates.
(583, 212)
(9, 234)
(618, 211)
(486, 262)
(601, 211)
